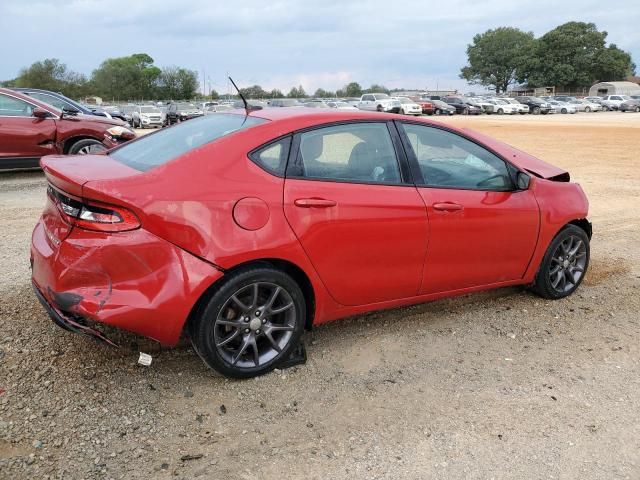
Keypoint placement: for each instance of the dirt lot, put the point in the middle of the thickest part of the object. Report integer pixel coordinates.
(498, 385)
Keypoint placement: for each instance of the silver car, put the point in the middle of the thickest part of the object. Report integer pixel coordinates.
(583, 105)
(146, 116)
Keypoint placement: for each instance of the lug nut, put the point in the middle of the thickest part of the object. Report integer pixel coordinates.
(264, 320)
(258, 313)
(258, 332)
(247, 330)
(246, 319)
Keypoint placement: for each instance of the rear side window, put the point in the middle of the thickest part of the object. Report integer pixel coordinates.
(170, 143)
(273, 157)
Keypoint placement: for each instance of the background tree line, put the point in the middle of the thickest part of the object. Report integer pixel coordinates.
(124, 78)
(572, 56)
(352, 89)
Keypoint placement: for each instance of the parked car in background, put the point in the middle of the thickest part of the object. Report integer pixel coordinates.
(584, 105)
(257, 104)
(239, 250)
(316, 104)
(536, 105)
(442, 108)
(341, 105)
(127, 112)
(522, 108)
(285, 102)
(563, 98)
(612, 102)
(61, 102)
(426, 105)
(380, 102)
(147, 116)
(30, 129)
(479, 102)
(461, 106)
(408, 106)
(630, 105)
(562, 107)
(594, 99)
(204, 106)
(181, 111)
(115, 112)
(503, 107)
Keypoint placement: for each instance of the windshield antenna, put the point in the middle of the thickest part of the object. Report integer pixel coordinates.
(248, 108)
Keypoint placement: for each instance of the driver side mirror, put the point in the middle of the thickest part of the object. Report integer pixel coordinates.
(522, 181)
(40, 113)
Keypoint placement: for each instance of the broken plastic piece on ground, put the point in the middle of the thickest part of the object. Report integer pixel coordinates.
(298, 357)
(144, 359)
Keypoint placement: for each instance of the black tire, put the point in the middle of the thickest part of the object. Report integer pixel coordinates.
(557, 262)
(86, 146)
(605, 108)
(500, 111)
(587, 109)
(436, 111)
(205, 327)
(563, 110)
(637, 109)
(535, 110)
(379, 108)
(465, 111)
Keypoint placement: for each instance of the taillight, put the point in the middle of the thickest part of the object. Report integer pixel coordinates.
(92, 215)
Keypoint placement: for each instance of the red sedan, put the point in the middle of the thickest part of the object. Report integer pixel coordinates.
(31, 129)
(244, 230)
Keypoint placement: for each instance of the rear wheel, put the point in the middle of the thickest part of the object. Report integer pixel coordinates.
(86, 146)
(587, 109)
(379, 108)
(436, 111)
(564, 264)
(251, 323)
(536, 110)
(564, 110)
(500, 111)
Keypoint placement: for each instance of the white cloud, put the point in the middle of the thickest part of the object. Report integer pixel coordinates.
(406, 43)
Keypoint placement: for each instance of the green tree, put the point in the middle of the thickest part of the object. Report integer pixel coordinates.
(51, 74)
(177, 83)
(375, 88)
(297, 92)
(133, 77)
(575, 55)
(352, 89)
(322, 93)
(255, 91)
(275, 93)
(498, 58)
(214, 95)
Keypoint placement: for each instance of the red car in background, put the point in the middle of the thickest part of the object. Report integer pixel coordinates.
(243, 230)
(31, 129)
(427, 106)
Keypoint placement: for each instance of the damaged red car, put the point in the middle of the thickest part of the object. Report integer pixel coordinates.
(243, 230)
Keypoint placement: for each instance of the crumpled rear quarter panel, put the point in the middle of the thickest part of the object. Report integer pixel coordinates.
(130, 280)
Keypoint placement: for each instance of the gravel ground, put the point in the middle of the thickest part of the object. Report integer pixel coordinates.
(499, 385)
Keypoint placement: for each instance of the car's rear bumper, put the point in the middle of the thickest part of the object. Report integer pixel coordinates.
(133, 280)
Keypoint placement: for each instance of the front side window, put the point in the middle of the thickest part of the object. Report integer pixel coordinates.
(14, 107)
(167, 144)
(51, 100)
(358, 152)
(450, 161)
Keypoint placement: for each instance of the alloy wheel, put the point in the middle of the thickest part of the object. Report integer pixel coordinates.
(255, 324)
(568, 264)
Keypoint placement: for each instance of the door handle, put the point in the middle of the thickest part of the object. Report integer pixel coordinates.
(314, 202)
(447, 207)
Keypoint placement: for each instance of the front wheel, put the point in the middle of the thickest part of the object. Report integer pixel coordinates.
(564, 264)
(587, 109)
(252, 322)
(436, 111)
(536, 110)
(86, 146)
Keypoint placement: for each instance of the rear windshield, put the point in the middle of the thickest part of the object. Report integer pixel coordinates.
(170, 143)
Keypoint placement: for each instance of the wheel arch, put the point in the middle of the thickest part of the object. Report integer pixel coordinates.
(286, 266)
(71, 140)
(584, 224)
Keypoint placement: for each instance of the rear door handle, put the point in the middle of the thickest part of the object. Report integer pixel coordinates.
(314, 203)
(447, 207)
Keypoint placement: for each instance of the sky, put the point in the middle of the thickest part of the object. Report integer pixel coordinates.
(282, 43)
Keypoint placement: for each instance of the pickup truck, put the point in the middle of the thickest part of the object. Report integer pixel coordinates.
(612, 102)
(380, 102)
